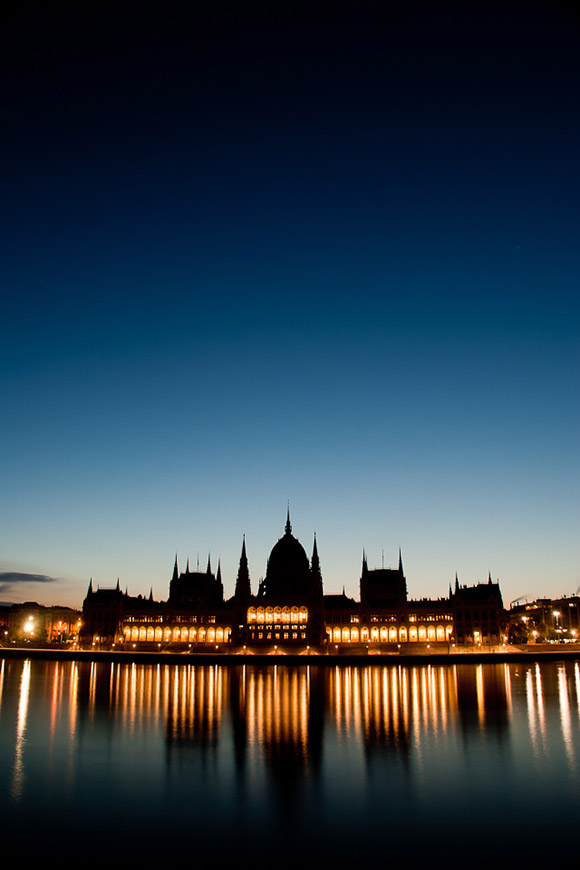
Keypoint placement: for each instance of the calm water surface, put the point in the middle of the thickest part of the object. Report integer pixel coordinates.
(475, 763)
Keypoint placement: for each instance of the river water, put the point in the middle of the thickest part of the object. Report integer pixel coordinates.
(472, 764)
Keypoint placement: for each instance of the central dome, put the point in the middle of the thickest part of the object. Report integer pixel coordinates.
(288, 576)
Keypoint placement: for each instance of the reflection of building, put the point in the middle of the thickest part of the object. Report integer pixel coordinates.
(290, 610)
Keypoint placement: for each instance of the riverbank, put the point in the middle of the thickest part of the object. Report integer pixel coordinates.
(469, 655)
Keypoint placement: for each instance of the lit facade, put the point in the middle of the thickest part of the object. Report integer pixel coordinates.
(290, 611)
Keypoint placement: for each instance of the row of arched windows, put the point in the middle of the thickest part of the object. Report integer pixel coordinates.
(185, 634)
(264, 615)
(389, 634)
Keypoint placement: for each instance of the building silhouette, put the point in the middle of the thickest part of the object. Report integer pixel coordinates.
(289, 611)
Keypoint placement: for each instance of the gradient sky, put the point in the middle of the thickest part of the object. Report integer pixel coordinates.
(318, 253)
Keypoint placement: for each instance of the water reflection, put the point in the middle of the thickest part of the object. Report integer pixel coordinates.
(347, 752)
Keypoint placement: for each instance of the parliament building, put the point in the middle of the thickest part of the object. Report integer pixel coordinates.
(289, 612)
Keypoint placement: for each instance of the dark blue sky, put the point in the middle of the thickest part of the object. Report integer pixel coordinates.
(325, 253)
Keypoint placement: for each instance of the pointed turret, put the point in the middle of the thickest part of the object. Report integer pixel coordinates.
(118, 586)
(243, 587)
(315, 569)
(456, 582)
(90, 589)
(208, 569)
(175, 569)
(151, 594)
(187, 566)
(400, 562)
(288, 527)
(218, 579)
(364, 563)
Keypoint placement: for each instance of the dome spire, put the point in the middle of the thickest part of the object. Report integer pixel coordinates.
(288, 528)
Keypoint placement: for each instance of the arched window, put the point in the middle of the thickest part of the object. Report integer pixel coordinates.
(431, 633)
(150, 634)
(354, 635)
(201, 635)
(413, 634)
(374, 634)
(337, 635)
(345, 635)
(269, 615)
(251, 614)
(440, 633)
(384, 634)
(422, 633)
(158, 635)
(211, 635)
(403, 634)
(364, 634)
(303, 614)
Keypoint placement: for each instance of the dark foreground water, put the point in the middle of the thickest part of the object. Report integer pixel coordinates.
(469, 764)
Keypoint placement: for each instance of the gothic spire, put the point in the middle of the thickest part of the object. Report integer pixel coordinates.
(175, 569)
(400, 562)
(315, 569)
(243, 588)
(288, 528)
(364, 563)
(187, 566)
(208, 569)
